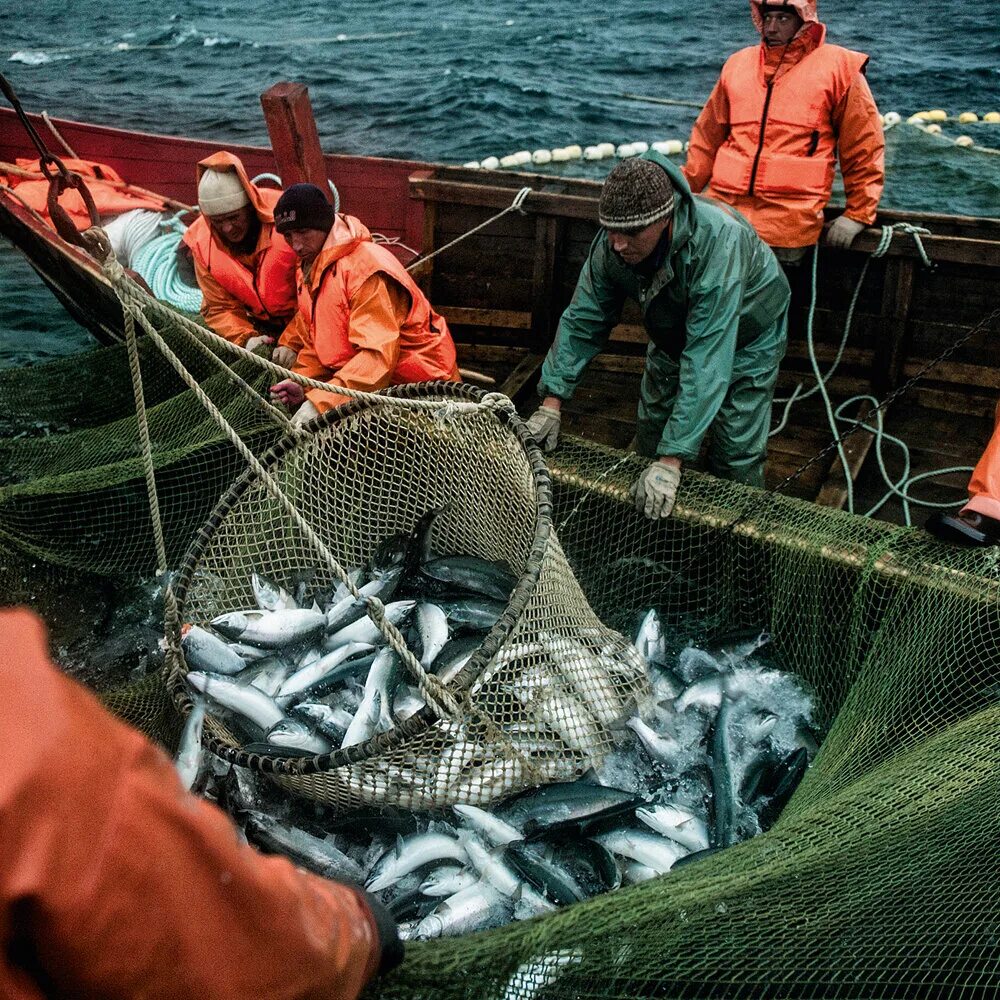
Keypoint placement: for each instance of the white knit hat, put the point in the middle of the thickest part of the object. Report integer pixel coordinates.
(220, 192)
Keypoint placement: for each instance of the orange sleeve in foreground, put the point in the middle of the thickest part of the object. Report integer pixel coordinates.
(118, 883)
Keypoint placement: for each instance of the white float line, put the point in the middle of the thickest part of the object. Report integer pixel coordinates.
(563, 154)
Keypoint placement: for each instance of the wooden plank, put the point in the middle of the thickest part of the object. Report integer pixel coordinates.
(833, 492)
(423, 271)
(294, 139)
(489, 196)
(890, 348)
(542, 290)
(523, 379)
(507, 319)
(943, 248)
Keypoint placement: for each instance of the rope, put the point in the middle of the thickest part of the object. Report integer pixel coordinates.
(277, 180)
(62, 142)
(515, 206)
(156, 261)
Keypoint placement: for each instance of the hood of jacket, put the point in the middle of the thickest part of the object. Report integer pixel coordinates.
(811, 34)
(229, 161)
(345, 235)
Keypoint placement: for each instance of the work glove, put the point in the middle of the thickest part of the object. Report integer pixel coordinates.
(284, 356)
(305, 413)
(655, 490)
(254, 342)
(842, 232)
(543, 427)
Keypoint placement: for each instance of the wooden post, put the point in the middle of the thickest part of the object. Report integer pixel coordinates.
(294, 138)
(891, 347)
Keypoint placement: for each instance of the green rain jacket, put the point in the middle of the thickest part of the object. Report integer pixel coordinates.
(718, 290)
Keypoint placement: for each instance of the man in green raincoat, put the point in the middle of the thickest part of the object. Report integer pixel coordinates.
(715, 306)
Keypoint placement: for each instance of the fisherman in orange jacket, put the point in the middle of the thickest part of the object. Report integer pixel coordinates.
(362, 321)
(118, 883)
(246, 270)
(978, 522)
(781, 113)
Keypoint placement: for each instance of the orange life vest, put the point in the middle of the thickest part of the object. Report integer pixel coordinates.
(268, 288)
(426, 350)
(110, 193)
(781, 139)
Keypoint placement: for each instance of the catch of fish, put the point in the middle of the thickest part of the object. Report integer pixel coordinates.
(707, 758)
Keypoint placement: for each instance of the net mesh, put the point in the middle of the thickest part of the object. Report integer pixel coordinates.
(881, 876)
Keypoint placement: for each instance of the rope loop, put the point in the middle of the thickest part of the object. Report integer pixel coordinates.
(907, 229)
(519, 200)
(497, 401)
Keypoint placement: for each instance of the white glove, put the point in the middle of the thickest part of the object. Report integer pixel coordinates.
(655, 490)
(305, 413)
(543, 427)
(842, 232)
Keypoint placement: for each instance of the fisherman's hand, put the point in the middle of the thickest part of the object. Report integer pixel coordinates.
(543, 427)
(655, 491)
(254, 342)
(843, 231)
(305, 413)
(284, 356)
(289, 392)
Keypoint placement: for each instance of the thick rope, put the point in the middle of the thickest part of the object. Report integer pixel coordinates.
(515, 206)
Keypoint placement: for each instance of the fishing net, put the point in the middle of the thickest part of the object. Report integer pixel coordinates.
(881, 876)
(549, 671)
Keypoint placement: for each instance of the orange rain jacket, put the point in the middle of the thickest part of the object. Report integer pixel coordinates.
(984, 487)
(243, 296)
(363, 323)
(110, 193)
(116, 882)
(768, 138)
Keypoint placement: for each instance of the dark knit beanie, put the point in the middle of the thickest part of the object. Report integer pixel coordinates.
(303, 206)
(636, 194)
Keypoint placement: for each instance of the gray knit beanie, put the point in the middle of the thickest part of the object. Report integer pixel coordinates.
(636, 194)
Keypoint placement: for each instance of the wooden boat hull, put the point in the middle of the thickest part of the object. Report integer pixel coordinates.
(504, 288)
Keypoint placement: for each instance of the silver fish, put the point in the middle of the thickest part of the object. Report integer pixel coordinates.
(446, 880)
(205, 651)
(270, 629)
(375, 710)
(677, 823)
(365, 630)
(296, 735)
(352, 608)
(476, 908)
(432, 625)
(314, 853)
(241, 698)
(331, 722)
(494, 829)
(411, 853)
(269, 595)
(190, 753)
(312, 673)
(644, 846)
(661, 748)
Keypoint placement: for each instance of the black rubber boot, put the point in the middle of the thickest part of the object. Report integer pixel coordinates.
(967, 528)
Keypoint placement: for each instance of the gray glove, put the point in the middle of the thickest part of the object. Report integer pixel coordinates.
(842, 232)
(655, 490)
(543, 427)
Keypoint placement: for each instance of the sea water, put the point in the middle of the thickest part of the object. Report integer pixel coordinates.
(436, 80)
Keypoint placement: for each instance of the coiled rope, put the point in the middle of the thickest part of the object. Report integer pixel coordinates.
(901, 486)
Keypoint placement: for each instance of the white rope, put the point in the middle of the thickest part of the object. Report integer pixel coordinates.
(515, 206)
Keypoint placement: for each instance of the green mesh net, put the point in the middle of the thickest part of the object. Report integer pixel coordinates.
(880, 878)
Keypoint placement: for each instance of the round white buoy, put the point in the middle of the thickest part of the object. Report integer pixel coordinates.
(937, 115)
(510, 160)
(965, 141)
(933, 129)
(523, 156)
(541, 156)
(917, 119)
(574, 151)
(968, 117)
(593, 153)
(892, 118)
(625, 150)
(606, 148)
(490, 163)
(472, 165)
(560, 155)
(992, 117)
(640, 146)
